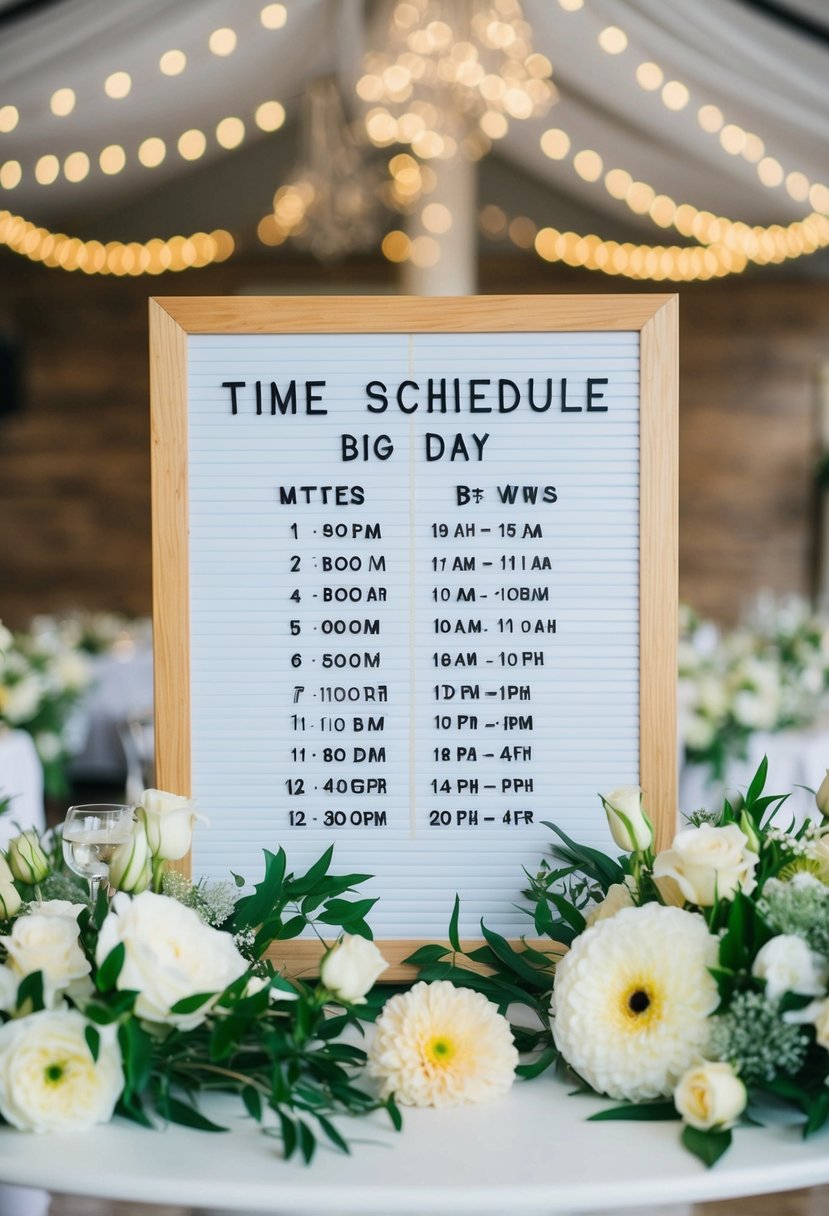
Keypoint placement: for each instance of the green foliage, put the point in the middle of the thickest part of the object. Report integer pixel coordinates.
(708, 1146)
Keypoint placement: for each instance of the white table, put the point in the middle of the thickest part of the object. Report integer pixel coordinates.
(21, 780)
(530, 1153)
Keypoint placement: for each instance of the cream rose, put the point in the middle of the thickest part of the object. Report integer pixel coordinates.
(704, 864)
(131, 868)
(821, 1023)
(168, 819)
(48, 1079)
(170, 954)
(619, 895)
(710, 1095)
(27, 859)
(629, 825)
(787, 964)
(350, 969)
(49, 944)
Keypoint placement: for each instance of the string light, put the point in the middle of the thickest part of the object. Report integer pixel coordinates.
(732, 137)
(112, 159)
(55, 249)
(118, 85)
(756, 243)
(151, 152)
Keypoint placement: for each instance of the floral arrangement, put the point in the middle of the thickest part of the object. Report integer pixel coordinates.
(688, 984)
(770, 674)
(42, 680)
(163, 990)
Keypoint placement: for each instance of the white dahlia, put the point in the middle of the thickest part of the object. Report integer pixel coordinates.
(438, 1045)
(632, 998)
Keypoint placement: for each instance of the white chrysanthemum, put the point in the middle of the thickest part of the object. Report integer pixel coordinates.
(438, 1045)
(632, 998)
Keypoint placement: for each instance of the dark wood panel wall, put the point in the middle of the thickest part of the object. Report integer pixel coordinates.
(74, 459)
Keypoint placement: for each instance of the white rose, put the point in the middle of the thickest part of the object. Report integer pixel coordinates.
(6, 639)
(257, 983)
(27, 858)
(9, 983)
(22, 700)
(787, 964)
(169, 822)
(619, 895)
(48, 944)
(48, 1079)
(630, 826)
(822, 796)
(350, 969)
(170, 954)
(131, 865)
(706, 863)
(57, 907)
(819, 850)
(710, 1095)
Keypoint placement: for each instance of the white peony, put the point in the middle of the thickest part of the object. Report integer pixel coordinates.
(50, 944)
(788, 964)
(710, 1095)
(170, 954)
(168, 819)
(350, 968)
(629, 825)
(438, 1045)
(706, 863)
(632, 999)
(48, 1079)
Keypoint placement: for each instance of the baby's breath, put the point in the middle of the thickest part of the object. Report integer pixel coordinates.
(214, 901)
(799, 907)
(753, 1038)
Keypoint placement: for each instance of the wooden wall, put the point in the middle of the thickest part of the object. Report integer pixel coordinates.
(74, 461)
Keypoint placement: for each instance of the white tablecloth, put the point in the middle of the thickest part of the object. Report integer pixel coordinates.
(796, 758)
(21, 780)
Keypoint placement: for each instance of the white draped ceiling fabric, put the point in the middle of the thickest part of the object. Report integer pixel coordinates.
(766, 74)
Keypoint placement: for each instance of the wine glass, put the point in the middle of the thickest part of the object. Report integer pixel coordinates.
(91, 834)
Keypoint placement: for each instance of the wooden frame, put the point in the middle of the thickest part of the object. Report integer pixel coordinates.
(655, 317)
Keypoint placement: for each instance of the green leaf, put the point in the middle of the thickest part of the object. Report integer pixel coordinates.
(189, 1004)
(426, 954)
(237, 878)
(93, 1042)
(708, 1146)
(31, 989)
(817, 1113)
(758, 781)
(514, 961)
(454, 939)
(305, 884)
(589, 861)
(225, 1036)
(307, 1142)
(253, 1102)
(110, 968)
(643, 1112)
(536, 1067)
(332, 1133)
(188, 1116)
(136, 1052)
(345, 912)
(253, 909)
(394, 1113)
(289, 1134)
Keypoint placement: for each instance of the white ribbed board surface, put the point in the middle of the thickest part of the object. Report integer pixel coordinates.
(580, 684)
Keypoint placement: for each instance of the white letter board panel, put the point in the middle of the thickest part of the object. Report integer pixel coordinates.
(414, 598)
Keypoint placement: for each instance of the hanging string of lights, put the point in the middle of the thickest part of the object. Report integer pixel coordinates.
(734, 140)
(440, 94)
